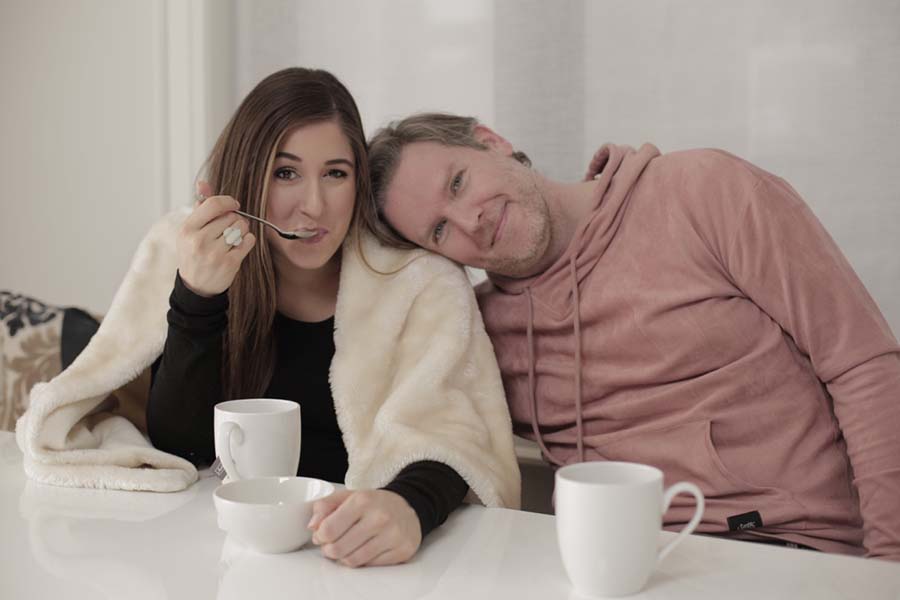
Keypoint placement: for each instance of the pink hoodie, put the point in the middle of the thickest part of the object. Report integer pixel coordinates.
(717, 332)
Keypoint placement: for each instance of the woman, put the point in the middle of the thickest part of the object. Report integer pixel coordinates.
(408, 408)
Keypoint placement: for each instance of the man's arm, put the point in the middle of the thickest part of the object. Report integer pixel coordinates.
(785, 261)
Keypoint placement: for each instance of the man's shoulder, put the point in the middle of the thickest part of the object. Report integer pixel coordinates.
(706, 160)
(702, 178)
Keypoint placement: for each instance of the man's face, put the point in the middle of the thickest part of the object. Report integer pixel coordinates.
(480, 208)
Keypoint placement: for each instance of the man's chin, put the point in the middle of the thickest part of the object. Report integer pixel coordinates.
(511, 273)
(521, 268)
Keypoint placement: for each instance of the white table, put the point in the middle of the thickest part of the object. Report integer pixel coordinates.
(71, 543)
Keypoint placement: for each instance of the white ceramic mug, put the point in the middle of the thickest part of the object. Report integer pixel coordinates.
(259, 437)
(608, 519)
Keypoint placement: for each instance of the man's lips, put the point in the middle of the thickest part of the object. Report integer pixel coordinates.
(501, 220)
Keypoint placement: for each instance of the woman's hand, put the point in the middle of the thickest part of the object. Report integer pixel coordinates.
(366, 528)
(206, 262)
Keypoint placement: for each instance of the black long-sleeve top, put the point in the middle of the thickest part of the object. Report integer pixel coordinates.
(187, 385)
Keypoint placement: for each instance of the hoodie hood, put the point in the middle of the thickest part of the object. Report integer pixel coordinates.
(616, 168)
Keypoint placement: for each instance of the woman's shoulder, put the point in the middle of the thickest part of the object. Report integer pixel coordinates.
(404, 264)
(381, 286)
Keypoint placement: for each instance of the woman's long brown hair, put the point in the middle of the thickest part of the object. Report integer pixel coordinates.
(240, 166)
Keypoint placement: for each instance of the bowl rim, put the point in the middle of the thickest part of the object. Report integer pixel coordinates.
(329, 489)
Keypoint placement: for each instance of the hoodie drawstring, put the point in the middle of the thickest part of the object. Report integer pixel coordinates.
(531, 395)
(531, 376)
(576, 317)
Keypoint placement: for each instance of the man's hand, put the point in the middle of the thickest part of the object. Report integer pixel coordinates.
(366, 528)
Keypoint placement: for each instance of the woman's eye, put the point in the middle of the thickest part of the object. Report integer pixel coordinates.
(337, 174)
(438, 231)
(456, 182)
(286, 174)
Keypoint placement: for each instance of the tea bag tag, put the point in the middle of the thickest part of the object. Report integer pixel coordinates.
(218, 469)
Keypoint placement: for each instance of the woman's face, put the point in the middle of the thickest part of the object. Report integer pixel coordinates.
(313, 187)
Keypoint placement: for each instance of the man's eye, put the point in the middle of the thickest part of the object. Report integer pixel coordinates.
(456, 182)
(337, 174)
(438, 231)
(286, 174)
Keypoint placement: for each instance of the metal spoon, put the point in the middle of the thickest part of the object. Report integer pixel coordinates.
(288, 235)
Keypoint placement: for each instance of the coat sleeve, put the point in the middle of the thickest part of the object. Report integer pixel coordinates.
(435, 387)
(785, 261)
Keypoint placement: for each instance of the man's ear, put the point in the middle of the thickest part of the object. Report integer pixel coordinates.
(493, 140)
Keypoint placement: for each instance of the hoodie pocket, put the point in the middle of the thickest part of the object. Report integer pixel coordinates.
(686, 452)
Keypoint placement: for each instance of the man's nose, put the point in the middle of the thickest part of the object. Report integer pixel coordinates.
(467, 217)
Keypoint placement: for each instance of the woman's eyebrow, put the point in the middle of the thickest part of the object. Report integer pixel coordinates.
(333, 161)
(339, 161)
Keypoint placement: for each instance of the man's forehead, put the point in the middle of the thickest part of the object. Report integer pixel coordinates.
(427, 152)
(415, 190)
(421, 170)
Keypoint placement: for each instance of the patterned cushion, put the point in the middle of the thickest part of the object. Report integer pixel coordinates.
(36, 342)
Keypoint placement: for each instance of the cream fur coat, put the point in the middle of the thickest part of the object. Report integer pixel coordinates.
(413, 378)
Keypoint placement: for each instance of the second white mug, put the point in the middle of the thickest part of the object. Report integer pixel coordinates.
(258, 437)
(608, 519)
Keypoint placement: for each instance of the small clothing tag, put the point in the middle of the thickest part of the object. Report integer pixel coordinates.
(218, 469)
(748, 520)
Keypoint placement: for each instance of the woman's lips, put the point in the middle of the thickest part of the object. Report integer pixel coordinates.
(320, 234)
(500, 222)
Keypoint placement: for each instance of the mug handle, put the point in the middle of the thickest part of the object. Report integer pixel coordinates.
(679, 488)
(227, 431)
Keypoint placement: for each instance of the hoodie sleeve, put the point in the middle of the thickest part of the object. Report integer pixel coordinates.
(783, 259)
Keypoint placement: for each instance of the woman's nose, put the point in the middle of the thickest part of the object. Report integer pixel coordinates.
(313, 201)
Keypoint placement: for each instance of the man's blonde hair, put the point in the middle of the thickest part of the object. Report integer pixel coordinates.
(385, 149)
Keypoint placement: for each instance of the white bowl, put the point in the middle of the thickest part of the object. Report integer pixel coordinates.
(269, 514)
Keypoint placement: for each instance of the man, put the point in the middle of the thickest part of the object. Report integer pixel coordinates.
(684, 310)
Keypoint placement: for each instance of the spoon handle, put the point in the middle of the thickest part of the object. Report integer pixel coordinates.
(288, 235)
(255, 218)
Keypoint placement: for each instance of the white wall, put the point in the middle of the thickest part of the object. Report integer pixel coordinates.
(808, 89)
(110, 106)
(80, 153)
(108, 109)
(395, 56)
